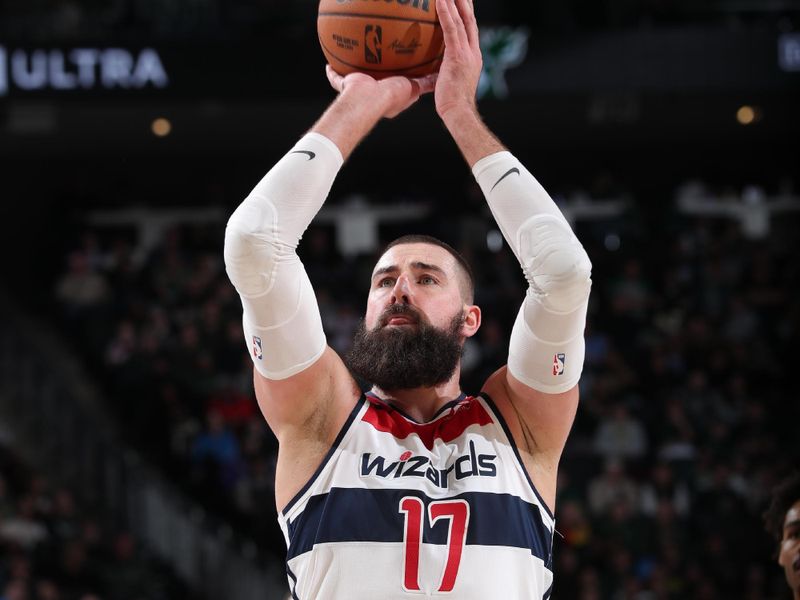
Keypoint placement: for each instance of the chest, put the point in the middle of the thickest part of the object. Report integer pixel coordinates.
(428, 506)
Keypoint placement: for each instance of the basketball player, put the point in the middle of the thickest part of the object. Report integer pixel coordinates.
(783, 521)
(413, 489)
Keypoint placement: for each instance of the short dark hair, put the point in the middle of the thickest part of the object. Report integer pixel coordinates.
(784, 495)
(468, 278)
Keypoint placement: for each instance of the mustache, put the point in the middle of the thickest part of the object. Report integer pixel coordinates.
(397, 310)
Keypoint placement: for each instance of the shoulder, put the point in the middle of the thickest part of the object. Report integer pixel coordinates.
(540, 419)
(306, 412)
(496, 388)
(538, 424)
(312, 404)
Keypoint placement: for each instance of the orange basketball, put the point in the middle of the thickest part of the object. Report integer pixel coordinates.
(381, 37)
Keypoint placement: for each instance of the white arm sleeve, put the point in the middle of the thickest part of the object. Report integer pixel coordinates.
(547, 348)
(282, 324)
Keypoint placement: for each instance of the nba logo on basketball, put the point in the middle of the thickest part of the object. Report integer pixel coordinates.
(373, 36)
(558, 364)
(258, 351)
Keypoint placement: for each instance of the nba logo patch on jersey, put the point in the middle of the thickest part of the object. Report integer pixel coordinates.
(258, 350)
(558, 364)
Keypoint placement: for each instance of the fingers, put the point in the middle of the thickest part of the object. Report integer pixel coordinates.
(336, 80)
(467, 11)
(455, 37)
(416, 89)
(427, 84)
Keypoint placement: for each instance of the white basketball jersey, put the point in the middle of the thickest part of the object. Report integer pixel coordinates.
(401, 510)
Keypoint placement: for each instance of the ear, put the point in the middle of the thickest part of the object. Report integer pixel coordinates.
(472, 320)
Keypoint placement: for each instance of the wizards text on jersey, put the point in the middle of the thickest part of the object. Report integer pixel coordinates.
(468, 465)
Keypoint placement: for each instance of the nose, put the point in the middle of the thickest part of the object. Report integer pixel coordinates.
(401, 293)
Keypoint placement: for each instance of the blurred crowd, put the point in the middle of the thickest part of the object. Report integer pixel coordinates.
(687, 417)
(51, 548)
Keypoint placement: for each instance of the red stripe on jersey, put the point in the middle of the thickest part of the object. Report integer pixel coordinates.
(469, 412)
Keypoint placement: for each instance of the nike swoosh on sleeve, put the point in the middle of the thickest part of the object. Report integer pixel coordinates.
(311, 155)
(509, 172)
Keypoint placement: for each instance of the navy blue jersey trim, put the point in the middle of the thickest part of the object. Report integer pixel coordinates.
(548, 593)
(448, 406)
(293, 577)
(345, 428)
(439, 412)
(498, 415)
(372, 515)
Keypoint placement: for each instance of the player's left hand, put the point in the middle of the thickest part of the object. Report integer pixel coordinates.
(461, 67)
(395, 94)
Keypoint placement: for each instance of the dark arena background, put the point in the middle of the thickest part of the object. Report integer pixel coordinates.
(134, 464)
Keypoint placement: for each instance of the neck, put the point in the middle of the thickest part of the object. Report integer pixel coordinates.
(421, 404)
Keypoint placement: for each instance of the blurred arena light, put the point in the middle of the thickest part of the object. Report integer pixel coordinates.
(748, 115)
(494, 241)
(161, 127)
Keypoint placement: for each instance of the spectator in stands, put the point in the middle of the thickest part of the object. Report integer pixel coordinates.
(662, 487)
(81, 288)
(125, 576)
(15, 590)
(24, 528)
(122, 346)
(64, 522)
(783, 522)
(612, 487)
(73, 572)
(45, 589)
(74, 562)
(574, 526)
(218, 449)
(621, 435)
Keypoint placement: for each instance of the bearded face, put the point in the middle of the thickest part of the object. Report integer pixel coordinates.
(410, 356)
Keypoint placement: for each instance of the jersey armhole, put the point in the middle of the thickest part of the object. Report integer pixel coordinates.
(334, 447)
(498, 415)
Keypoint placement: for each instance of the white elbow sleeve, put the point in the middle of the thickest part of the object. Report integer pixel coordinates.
(282, 324)
(547, 348)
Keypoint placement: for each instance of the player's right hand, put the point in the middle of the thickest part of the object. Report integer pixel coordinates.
(395, 94)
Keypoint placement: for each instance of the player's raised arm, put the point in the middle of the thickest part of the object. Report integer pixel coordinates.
(458, 79)
(281, 320)
(546, 350)
(295, 370)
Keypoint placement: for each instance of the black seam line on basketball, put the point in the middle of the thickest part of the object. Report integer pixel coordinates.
(382, 17)
(311, 155)
(368, 70)
(509, 172)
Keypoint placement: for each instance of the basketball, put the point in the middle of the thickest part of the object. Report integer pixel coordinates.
(381, 37)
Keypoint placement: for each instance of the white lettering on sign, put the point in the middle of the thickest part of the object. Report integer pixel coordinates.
(789, 52)
(3, 72)
(29, 74)
(81, 68)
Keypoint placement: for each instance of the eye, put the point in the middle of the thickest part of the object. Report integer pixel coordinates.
(386, 282)
(427, 280)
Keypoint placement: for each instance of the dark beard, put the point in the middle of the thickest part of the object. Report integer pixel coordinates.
(406, 358)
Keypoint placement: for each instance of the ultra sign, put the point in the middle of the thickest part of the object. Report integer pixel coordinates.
(80, 69)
